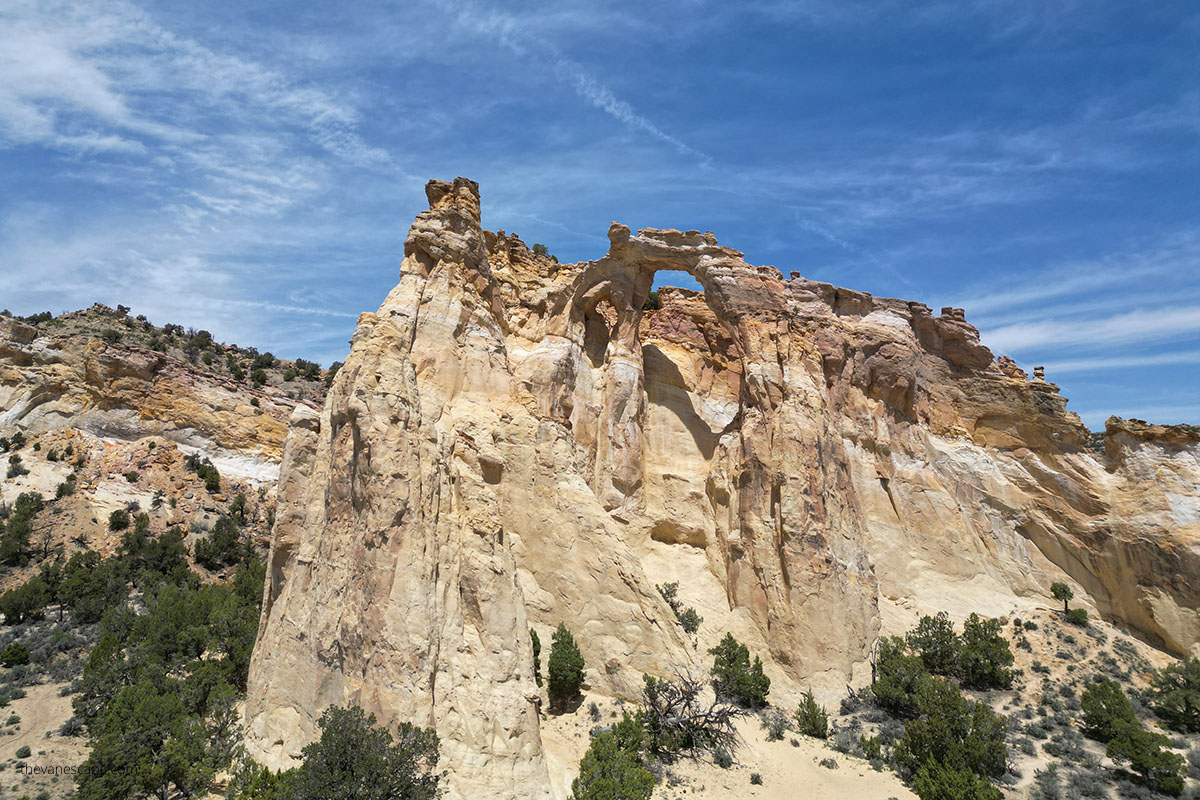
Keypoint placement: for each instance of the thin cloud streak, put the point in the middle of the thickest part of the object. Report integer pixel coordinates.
(1134, 326)
(1109, 363)
(509, 32)
(1161, 264)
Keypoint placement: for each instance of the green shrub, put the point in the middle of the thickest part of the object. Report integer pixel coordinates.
(15, 653)
(537, 656)
(149, 560)
(143, 744)
(16, 468)
(564, 669)
(1078, 616)
(689, 620)
(356, 758)
(224, 545)
(871, 746)
(309, 370)
(811, 718)
(238, 507)
(331, 373)
(1149, 756)
(1106, 710)
(26, 602)
(91, 586)
(687, 617)
(954, 732)
(722, 758)
(652, 302)
(614, 766)
(986, 658)
(118, 520)
(936, 643)
(1175, 695)
(132, 476)
(17, 531)
(204, 468)
(899, 678)
(111, 336)
(936, 782)
(24, 752)
(735, 678)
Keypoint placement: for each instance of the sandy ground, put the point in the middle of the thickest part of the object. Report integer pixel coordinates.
(788, 771)
(44, 476)
(1068, 662)
(42, 711)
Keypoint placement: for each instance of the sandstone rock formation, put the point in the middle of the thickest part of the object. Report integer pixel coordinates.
(54, 380)
(514, 443)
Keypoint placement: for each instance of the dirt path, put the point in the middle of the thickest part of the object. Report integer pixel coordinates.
(42, 710)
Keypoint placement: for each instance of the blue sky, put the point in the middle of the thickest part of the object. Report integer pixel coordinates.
(252, 168)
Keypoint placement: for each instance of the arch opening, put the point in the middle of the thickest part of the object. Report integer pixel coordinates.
(678, 278)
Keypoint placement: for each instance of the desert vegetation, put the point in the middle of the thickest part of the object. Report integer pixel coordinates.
(146, 626)
(198, 348)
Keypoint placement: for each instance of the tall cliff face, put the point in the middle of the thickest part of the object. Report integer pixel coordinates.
(514, 442)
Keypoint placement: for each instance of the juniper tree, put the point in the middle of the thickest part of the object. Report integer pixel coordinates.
(564, 669)
(1061, 592)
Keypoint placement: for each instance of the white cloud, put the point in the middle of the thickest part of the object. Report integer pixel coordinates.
(1156, 265)
(1115, 362)
(1143, 326)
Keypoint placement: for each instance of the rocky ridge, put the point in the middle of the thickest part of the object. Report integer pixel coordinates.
(63, 373)
(514, 443)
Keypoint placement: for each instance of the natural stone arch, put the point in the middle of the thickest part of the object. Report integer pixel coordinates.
(625, 275)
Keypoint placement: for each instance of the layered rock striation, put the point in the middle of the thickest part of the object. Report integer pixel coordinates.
(514, 443)
(52, 380)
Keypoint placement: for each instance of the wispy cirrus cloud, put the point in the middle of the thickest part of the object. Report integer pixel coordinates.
(212, 144)
(1109, 363)
(1143, 326)
(519, 36)
(1159, 265)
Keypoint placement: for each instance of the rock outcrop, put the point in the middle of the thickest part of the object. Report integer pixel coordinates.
(52, 380)
(514, 443)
